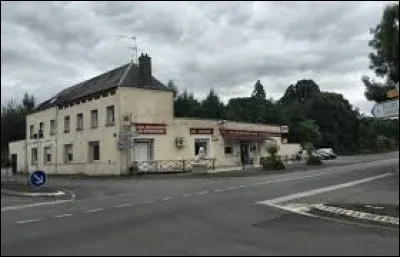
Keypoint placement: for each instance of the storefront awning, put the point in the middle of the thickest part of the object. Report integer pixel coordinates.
(248, 135)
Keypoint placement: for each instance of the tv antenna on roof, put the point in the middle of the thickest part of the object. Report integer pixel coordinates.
(133, 48)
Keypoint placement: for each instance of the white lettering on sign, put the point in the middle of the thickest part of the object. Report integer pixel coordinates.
(386, 109)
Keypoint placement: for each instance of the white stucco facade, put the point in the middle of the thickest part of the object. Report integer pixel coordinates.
(85, 135)
(148, 109)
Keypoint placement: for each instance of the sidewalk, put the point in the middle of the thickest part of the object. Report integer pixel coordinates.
(18, 188)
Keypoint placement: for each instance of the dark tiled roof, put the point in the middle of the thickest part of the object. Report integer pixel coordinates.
(123, 76)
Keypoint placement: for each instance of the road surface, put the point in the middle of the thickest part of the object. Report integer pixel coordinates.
(220, 216)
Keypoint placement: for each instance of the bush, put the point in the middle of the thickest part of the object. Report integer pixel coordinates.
(272, 163)
(133, 169)
(314, 160)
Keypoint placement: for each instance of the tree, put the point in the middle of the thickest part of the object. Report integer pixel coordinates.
(308, 132)
(384, 56)
(185, 105)
(171, 86)
(258, 92)
(212, 107)
(28, 102)
(302, 91)
(13, 124)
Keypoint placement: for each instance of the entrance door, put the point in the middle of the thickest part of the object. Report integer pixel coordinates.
(141, 150)
(244, 153)
(14, 163)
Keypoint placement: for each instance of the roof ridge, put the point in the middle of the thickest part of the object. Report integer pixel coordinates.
(125, 73)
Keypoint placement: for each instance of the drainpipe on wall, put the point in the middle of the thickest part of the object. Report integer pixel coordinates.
(56, 141)
(26, 144)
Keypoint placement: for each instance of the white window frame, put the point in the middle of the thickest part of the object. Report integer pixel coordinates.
(31, 131)
(94, 118)
(79, 121)
(68, 149)
(110, 115)
(150, 142)
(34, 160)
(91, 145)
(41, 128)
(67, 129)
(45, 154)
(208, 150)
(53, 127)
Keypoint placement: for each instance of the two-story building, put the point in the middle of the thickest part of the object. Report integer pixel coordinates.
(123, 117)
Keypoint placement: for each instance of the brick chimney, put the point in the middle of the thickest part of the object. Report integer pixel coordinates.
(145, 70)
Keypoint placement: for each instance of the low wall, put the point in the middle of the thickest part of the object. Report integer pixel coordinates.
(91, 169)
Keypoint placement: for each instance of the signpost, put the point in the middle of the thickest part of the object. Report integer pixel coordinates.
(37, 178)
(386, 109)
(392, 93)
(125, 139)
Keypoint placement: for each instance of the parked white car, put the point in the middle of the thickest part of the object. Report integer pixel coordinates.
(328, 152)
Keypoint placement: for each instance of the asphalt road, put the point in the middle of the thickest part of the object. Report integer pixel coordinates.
(219, 216)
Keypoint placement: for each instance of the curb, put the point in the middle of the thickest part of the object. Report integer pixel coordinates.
(33, 194)
(357, 214)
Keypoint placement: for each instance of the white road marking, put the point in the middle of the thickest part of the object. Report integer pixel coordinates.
(27, 221)
(94, 210)
(19, 207)
(31, 205)
(296, 208)
(230, 188)
(123, 205)
(286, 198)
(148, 201)
(218, 190)
(186, 195)
(166, 199)
(242, 186)
(203, 192)
(63, 215)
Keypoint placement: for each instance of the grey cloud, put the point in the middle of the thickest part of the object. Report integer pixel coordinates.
(225, 45)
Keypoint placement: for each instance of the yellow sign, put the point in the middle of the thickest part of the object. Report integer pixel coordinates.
(392, 93)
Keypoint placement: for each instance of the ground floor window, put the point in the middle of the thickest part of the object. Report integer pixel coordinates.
(94, 151)
(228, 150)
(47, 154)
(143, 150)
(34, 156)
(201, 142)
(68, 155)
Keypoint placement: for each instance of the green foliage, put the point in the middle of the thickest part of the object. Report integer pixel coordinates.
(272, 163)
(384, 56)
(171, 86)
(258, 92)
(308, 132)
(13, 123)
(212, 107)
(314, 160)
(309, 147)
(272, 148)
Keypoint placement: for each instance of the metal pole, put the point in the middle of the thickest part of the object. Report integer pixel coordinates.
(37, 151)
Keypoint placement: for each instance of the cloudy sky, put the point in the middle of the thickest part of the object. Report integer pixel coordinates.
(47, 46)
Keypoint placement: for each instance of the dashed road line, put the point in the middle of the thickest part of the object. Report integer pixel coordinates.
(27, 221)
(148, 201)
(231, 188)
(218, 190)
(203, 192)
(123, 205)
(186, 195)
(62, 215)
(166, 199)
(94, 210)
(242, 186)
